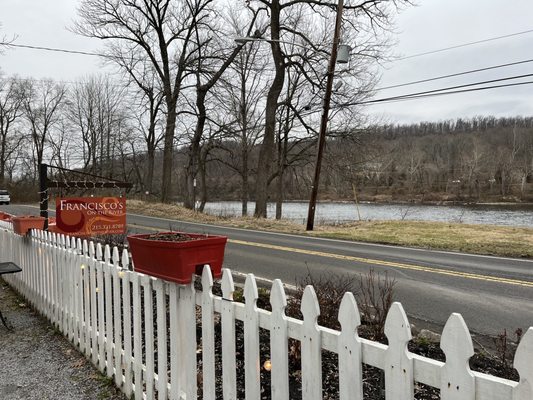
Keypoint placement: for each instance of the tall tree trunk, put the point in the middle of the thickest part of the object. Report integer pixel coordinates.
(267, 147)
(279, 187)
(149, 169)
(2, 163)
(282, 161)
(244, 151)
(279, 194)
(244, 184)
(194, 151)
(202, 169)
(168, 152)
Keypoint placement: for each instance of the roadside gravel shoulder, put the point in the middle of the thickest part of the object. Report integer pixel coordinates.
(37, 362)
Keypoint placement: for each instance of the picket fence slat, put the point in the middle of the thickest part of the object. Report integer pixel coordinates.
(227, 319)
(56, 270)
(109, 322)
(311, 347)
(117, 318)
(174, 344)
(208, 336)
(252, 381)
(148, 336)
(70, 268)
(107, 311)
(457, 381)
(349, 350)
(162, 348)
(279, 343)
(399, 380)
(127, 325)
(86, 301)
(137, 335)
(93, 305)
(100, 298)
(187, 336)
(66, 281)
(524, 365)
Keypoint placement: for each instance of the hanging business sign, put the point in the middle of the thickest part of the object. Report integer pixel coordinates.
(89, 216)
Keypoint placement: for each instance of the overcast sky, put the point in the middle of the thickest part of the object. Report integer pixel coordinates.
(432, 25)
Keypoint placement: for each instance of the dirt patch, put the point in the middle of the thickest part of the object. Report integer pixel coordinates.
(172, 237)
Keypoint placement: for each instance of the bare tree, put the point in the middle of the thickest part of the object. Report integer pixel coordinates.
(149, 98)
(97, 112)
(11, 102)
(62, 144)
(202, 89)
(42, 107)
(161, 31)
(149, 123)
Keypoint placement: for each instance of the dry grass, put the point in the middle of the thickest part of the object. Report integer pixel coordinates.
(476, 239)
(183, 214)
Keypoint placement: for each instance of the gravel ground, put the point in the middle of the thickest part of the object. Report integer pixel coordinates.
(37, 362)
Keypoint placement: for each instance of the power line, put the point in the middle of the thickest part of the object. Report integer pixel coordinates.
(458, 86)
(68, 51)
(455, 74)
(463, 45)
(418, 96)
(434, 92)
(27, 46)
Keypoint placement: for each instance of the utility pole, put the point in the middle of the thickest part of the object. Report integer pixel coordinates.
(325, 117)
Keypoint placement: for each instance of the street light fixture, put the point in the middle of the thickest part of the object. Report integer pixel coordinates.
(343, 55)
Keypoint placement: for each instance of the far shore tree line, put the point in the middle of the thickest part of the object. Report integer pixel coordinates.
(191, 115)
(483, 159)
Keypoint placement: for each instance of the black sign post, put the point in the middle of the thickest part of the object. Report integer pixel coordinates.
(43, 192)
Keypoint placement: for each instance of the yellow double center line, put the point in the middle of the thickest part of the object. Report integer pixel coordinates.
(411, 267)
(388, 263)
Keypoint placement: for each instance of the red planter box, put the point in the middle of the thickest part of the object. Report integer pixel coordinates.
(23, 224)
(177, 261)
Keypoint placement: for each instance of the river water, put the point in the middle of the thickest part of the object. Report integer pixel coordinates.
(340, 212)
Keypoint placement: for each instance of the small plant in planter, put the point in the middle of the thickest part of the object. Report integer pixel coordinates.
(176, 256)
(24, 223)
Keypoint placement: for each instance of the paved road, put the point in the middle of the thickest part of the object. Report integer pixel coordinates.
(492, 293)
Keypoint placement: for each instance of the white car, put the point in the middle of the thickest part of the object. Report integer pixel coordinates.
(4, 197)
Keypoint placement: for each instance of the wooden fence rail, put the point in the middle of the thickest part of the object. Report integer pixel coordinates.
(142, 331)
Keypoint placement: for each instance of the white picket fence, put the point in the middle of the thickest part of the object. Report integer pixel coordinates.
(84, 292)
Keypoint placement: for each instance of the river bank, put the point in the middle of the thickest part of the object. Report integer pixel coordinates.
(451, 236)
